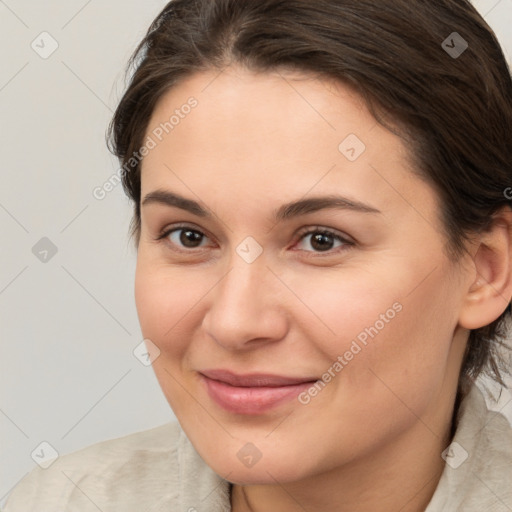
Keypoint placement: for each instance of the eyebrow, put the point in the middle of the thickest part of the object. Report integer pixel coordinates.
(284, 212)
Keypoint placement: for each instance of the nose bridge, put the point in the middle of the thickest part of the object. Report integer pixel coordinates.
(245, 306)
(244, 291)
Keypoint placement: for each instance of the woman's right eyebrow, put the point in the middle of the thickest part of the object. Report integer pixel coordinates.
(284, 212)
(168, 198)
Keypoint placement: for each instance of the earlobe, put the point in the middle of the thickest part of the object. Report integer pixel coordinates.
(491, 290)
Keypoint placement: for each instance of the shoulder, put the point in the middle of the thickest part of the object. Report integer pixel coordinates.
(125, 473)
(478, 468)
(491, 462)
(488, 435)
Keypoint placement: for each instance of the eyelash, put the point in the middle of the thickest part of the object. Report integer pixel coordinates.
(301, 235)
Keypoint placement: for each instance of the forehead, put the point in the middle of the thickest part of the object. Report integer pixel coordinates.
(280, 114)
(274, 135)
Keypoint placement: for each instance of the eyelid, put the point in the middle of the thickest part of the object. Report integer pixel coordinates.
(322, 229)
(166, 231)
(307, 230)
(346, 241)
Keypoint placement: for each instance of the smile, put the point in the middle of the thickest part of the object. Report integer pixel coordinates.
(252, 394)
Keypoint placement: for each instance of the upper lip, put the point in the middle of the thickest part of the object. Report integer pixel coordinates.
(254, 379)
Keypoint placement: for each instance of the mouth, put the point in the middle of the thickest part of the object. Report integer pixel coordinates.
(252, 393)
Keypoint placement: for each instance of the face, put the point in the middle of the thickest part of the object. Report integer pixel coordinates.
(293, 339)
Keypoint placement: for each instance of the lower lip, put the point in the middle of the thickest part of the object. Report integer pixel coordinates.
(251, 400)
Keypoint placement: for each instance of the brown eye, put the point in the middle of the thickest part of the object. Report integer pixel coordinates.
(190, 238)
(323, 240)
(184, 237)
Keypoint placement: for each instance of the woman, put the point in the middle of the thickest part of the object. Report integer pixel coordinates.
(323, 238)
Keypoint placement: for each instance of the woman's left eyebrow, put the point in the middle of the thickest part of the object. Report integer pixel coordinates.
(284, 212)
(314, 204)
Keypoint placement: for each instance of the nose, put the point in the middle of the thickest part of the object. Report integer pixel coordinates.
(247, 307)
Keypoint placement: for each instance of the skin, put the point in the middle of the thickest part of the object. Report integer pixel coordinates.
(372, 438)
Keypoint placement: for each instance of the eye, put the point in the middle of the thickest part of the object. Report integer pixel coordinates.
(324, 240)
(184, 236)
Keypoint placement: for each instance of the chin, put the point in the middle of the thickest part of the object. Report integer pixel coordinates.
(272, 467)
(262, 475)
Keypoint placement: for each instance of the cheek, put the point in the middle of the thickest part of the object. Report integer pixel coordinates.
(164, 301)
(382, 338)
(346, 305)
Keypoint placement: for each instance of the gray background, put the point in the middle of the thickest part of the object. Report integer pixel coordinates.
(69, 325)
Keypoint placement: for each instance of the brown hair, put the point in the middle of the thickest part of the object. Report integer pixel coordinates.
(454, 109)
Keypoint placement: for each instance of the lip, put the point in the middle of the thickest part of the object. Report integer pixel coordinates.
(253, 393)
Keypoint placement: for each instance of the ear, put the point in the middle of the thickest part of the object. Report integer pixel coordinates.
(491, 290)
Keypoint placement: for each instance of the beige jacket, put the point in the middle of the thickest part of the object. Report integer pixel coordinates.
(158, 470)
